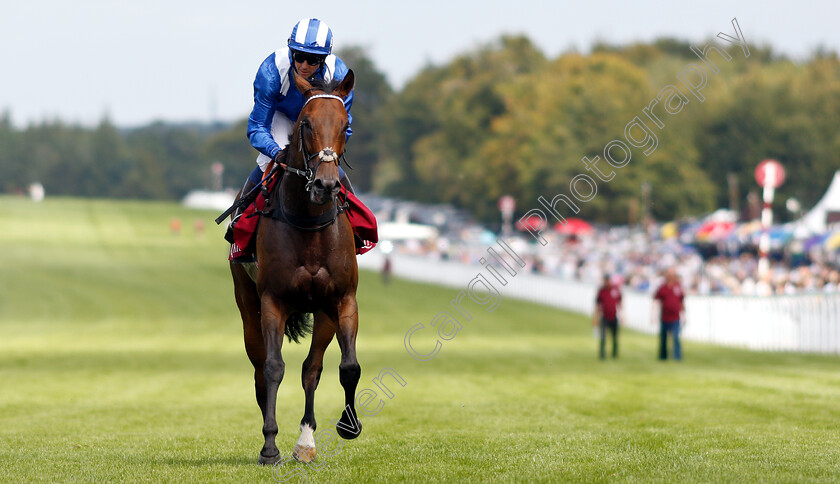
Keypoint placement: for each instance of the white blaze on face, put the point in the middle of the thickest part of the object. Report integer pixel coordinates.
(306, 437)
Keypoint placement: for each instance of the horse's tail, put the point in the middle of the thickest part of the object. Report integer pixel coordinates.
(299, 325)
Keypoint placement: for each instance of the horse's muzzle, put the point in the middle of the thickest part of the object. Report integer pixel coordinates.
(324, 190)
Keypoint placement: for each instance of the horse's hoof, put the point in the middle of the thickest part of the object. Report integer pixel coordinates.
(303, 454)
(347, 435)
(268, 461)
(346, 431)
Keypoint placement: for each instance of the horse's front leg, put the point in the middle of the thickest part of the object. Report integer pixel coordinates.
(322, 334)
(349, 371)
(273, 322)
(248, 302)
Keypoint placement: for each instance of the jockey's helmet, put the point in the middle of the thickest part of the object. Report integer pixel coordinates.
(313, 36)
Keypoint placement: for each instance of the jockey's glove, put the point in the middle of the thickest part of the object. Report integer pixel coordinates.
(280, 157)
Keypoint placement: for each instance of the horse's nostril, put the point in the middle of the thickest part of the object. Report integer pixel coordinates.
(323, 185)
(327, 185)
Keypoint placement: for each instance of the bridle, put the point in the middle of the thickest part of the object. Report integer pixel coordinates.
(326, 155)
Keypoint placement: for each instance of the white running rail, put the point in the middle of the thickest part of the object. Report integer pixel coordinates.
(801, 323)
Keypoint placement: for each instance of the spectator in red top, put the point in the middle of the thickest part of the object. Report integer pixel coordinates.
(607, 307)
(671, 313)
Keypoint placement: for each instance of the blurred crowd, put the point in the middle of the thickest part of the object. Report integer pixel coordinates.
(715, 256)
(637, 260)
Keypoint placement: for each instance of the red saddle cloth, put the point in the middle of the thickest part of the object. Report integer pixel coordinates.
(361, 219)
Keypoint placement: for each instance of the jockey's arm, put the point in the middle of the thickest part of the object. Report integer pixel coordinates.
(348, 102)
(266, 86)
(259, 122)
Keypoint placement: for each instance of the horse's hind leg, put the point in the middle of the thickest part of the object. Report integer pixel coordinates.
(248, 302)
(349, 371)
(273, 321)
(322, 334)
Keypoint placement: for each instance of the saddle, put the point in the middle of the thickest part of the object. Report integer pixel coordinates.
(361, 219)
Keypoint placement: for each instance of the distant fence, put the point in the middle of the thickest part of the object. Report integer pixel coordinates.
(803, 323)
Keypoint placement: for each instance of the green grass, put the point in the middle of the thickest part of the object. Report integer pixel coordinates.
(121, 360)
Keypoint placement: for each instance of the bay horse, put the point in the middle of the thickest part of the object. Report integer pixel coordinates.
(307, 264)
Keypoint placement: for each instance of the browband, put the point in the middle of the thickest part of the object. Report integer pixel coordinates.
(332, 96)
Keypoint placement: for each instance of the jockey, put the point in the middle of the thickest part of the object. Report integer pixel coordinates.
(278, 102)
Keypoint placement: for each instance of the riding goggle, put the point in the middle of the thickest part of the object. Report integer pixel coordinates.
(311, 59)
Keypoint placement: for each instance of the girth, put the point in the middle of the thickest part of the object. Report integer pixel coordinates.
(305, 223)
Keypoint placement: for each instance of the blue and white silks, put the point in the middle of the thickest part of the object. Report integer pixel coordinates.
(278, 102)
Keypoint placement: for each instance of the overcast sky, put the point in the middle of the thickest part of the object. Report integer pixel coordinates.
(178, 60)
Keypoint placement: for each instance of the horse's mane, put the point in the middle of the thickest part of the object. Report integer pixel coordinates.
(323, 85)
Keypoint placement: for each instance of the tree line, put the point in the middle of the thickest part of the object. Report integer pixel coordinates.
(504, 119)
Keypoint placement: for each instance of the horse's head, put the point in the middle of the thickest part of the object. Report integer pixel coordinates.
(322, 132)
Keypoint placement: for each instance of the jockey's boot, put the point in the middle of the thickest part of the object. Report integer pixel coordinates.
(249, 185)
(345, 182)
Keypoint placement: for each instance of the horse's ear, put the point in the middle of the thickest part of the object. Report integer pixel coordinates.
(302, 84)
(346, 85)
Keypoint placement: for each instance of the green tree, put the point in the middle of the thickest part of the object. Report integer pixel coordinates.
(232, 149)
(572, 109)
(371, 94)
(783, 111)
(13, 170)
(442, 117)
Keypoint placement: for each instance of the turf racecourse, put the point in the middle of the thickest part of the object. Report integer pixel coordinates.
(121, 360)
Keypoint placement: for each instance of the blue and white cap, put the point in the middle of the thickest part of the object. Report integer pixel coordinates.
(312, 36)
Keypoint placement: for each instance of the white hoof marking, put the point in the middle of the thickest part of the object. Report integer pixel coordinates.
(306, 436)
